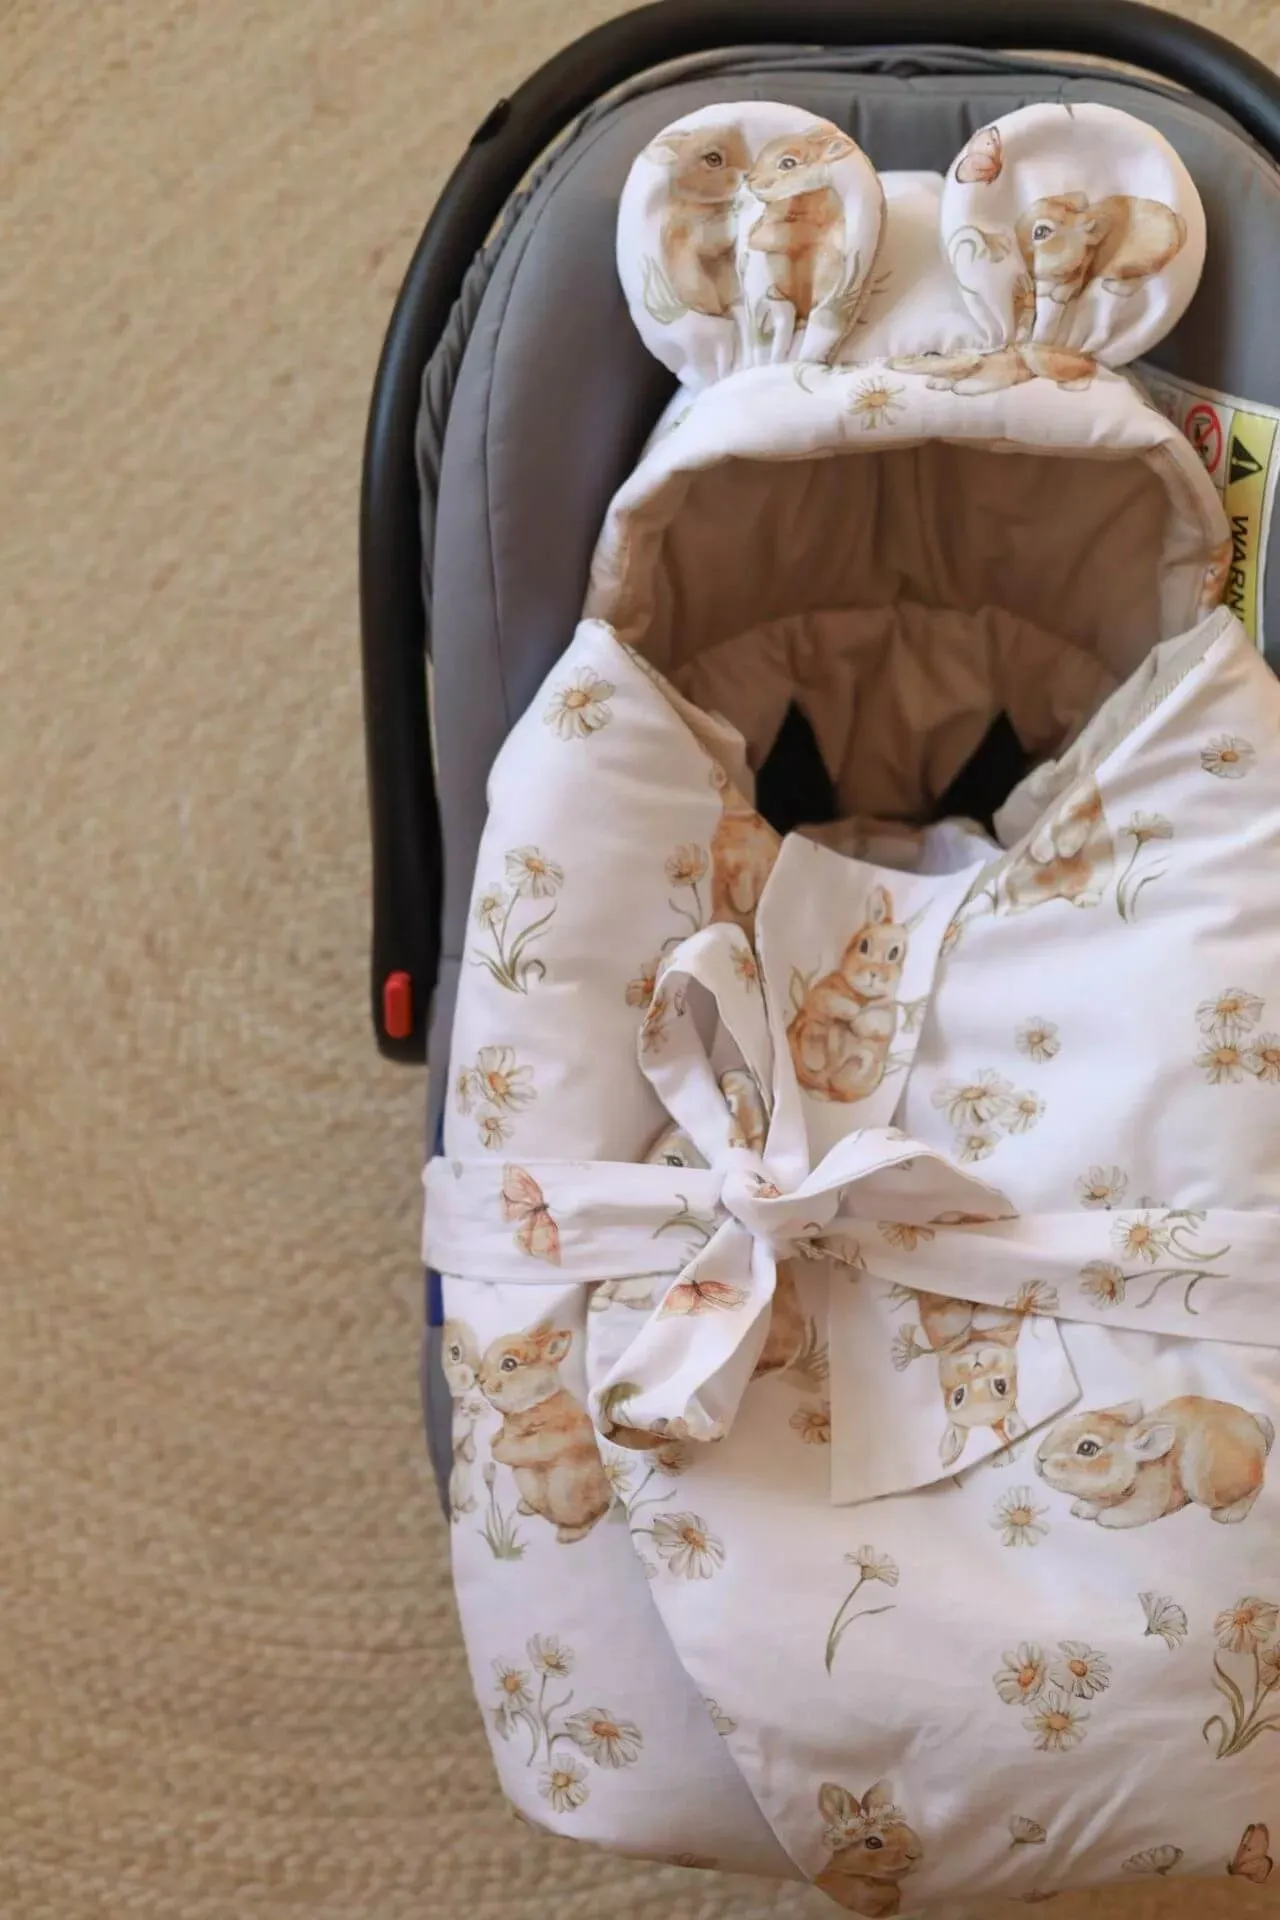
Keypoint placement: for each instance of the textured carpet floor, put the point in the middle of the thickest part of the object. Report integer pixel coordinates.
(230, 1680)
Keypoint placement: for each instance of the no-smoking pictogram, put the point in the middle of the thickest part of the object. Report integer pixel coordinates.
(1203, 428)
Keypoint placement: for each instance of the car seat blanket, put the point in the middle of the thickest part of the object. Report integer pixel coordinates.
(998, 1147)
(860, 1245)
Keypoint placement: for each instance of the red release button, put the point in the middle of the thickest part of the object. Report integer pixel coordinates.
(397, 1006)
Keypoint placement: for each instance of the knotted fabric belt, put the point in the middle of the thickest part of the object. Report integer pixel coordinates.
(928, 1263)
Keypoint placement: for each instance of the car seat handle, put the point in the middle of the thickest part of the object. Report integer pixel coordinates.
(404, 816)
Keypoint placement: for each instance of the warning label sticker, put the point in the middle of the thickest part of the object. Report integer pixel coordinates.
(1239, 442)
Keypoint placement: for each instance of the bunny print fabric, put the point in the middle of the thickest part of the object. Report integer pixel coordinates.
(938, 1380)
(774, 231)
(860, 1244)
(757, 234)
(811, 307)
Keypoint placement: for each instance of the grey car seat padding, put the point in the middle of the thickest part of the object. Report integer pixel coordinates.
(556, 394)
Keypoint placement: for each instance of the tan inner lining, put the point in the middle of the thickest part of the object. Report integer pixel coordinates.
(903, 599)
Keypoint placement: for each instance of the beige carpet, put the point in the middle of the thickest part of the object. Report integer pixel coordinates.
(230, 1680)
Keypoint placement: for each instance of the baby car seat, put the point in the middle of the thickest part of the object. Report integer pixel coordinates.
(529, 453)
(512, 397)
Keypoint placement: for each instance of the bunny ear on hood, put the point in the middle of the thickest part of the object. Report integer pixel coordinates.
(810, 308)
(747, 235)
(1076, 228)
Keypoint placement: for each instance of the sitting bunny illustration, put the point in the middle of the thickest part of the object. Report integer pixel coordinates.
(1127, 1468)
(801, 230)
(872, 1850)
(843, 1027)
(1068, 241)
(977, 1368)
(744, 848)
(707, 166)
(461, 1354)
(1071, 856)
(546, 1436)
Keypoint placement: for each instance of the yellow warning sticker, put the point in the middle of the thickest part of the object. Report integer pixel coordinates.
(1239, 443)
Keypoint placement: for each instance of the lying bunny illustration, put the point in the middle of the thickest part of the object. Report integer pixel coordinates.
(843, 1027)
(977, 1368)
(801, 230)
(1070, 857)
(461, 1371)
(973, 370)
(1127, 1468)
(546, 1436)
(1067, 241)
(707, 166)
(872, 1850)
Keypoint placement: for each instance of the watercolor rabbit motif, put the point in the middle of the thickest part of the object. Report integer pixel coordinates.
(844, 1023)
(546, 1436)
(872, 1850)
(706, 167)
(801, 231)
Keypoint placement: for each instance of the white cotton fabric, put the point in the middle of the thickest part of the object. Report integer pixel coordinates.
(958, 508)
(1065, 180)
(859, 1248)
(1108, 1025)
(1068, 226)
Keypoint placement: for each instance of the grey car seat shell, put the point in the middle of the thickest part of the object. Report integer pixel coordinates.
(540, 394)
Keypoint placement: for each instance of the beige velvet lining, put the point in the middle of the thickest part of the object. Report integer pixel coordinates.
(899, 698)
(1070, 543)
(903, 598)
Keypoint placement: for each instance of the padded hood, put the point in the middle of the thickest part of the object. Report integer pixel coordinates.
(905, 483)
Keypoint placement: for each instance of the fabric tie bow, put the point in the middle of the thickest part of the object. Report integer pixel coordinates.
(721, 1242)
